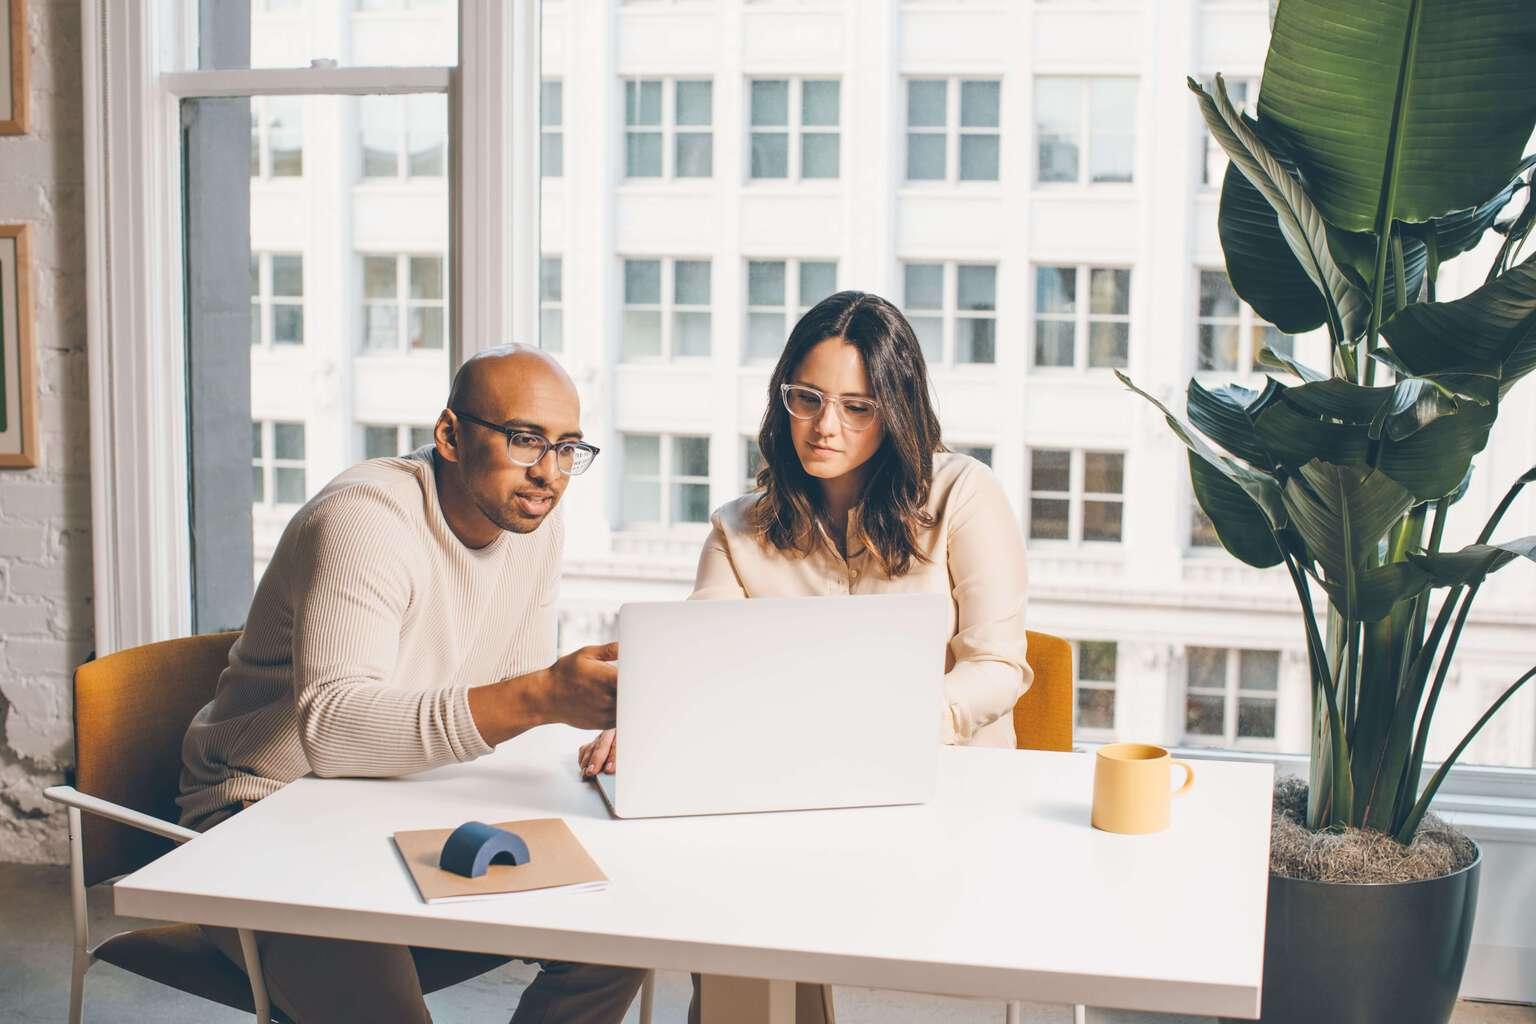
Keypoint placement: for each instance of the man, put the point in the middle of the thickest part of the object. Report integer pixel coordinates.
(406, 621)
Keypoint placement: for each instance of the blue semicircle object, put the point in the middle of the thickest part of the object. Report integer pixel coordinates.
(474, 846)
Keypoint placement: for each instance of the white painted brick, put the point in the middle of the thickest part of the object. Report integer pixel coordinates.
(37, 726)
(43, 656)
(43, 500)
(49, 581)
(20, 541)
(20, 620)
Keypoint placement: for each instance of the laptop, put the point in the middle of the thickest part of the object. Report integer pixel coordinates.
(778, 704)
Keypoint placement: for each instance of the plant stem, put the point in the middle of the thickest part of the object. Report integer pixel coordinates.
(1341, 797)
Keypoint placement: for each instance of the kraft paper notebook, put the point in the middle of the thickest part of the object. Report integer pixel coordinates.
(557, 862)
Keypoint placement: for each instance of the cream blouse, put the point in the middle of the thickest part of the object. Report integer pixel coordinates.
(975, 555)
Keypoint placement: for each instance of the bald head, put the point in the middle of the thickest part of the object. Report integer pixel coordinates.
(492, 372)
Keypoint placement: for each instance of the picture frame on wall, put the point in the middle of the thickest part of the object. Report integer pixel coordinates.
(18, 412)
(13, 67)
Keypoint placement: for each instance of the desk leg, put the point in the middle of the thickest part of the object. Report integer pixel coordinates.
(727, 1000)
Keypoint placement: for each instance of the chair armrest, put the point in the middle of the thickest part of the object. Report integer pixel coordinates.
(72, 797)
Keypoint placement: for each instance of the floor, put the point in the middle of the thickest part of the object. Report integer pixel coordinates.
(35, 955)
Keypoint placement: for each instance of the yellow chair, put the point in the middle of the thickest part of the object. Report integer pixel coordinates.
(132, 709)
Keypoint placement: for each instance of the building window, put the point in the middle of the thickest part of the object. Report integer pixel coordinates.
(752, 460)
(381, 442)
(277, 463)
(666, 480)
(277, 136)
(953, 309)
(1244, 93)
(982, 453)
(953, 129)
(1229, 335)
(277, 299)
(551, 123)
(1096, 672)
(552, 304)
(778, 294)
(403, 136)
(666, 309)
(668, 128)
(1230, 696)
(1082, 335)
(1076, 495)
(1202, 532)
(1085, 130)
(794, 124)
(403, 306)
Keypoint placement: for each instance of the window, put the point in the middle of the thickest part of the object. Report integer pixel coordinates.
(676, 328)
(953, 129)
(980, 452)
(1229, 336)
(667, 128)
(380, 442)
(794, 124)
(752, 461)
(1096, 667)
(1244, 93)
(277, 463)
(1202, 532)
(403, 306)
(551, 304)
(403, 136)
(778, 293)
(1076, 495)
(277, 299)
(953, 309)
(1230, 696)
(551, 123)
(277, 136)
(666, 479)
(1091, 335)
(1085, 130)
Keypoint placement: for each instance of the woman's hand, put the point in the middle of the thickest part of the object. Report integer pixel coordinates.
(601, 755)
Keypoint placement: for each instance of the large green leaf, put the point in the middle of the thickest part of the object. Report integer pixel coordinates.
(1226, 415)
(1491, 331)
(1300, 224)
(1343, 512)
(1356, 255)
(1433, 461)
(1458, 232)
(1240, 525)
(1473, 562)
(1296, 438)
(1378, 590)
(1260, 265)
(1271, 359)
(1420, 106)
(1395, 410)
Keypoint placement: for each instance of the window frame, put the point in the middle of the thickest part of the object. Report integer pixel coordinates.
(551, 306)
(667, 309)
(403, 304)
(794, 305)
(952, 131)
(402, 176)
(1084, 137)
(1232, 694)
(402, 436)
(265, 301)
(795, 129)
(668, 128)
(1247, 370)
(551, 130)
(665, 478)
(259, 109)
(1082, 318)
(269, 464)
(1094, 733)
(1076, 496)
(950, 314)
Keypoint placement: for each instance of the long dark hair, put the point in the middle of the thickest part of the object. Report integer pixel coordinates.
(896, 488)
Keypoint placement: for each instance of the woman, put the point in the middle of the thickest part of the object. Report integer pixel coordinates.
(857, 495)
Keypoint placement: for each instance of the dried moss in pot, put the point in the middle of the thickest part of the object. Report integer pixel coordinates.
(1358, 855)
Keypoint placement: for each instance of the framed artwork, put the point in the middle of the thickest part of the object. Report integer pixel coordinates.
(18, 415)
(13, 67)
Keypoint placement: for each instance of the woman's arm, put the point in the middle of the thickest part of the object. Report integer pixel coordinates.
(716, 578)
(988, 579)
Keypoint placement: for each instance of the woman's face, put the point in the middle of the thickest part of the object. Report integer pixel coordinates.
(827, 447)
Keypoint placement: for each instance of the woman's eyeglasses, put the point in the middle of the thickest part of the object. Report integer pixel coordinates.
(526, 448)
(805, 403)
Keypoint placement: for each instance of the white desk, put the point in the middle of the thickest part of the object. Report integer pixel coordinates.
(999, 888)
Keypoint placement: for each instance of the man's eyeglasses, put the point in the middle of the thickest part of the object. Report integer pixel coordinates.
(805, 403)
(526, 448)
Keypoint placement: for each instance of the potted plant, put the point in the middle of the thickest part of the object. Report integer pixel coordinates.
(1387, 141)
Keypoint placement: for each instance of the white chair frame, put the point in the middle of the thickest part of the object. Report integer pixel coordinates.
(85, 953)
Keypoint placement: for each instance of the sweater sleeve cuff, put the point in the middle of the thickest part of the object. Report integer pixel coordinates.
(468, 744)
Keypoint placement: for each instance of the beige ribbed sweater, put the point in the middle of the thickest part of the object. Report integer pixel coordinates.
(367, 630)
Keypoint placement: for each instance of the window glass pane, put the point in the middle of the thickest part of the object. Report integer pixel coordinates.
(1204, 715)
(770, 103)
(642, 282)
(288, 440)
(818, 279)
(642, 335)
(927, 103)
(765, 283)
(378, 120)
(770, 155)
(426, 277)
(1058, 116)
(378, 277)
(695, 154)
(551, 154)
(550, 278)
(1206, 668)
(381, 328)
(641, 502)
(930, 336)
(288, 485)
(1055, 342)
(752, 459)
(1216, 295)
(820, 104)
(979, 104)
(695, 101)
(1050, 469)
(1258, 670)
(285, 135)
(1095, 708)
(1056, 289)
(642, 155)
(426, 327)
(1217, 347)
(980, 452)
(819, 155)
(1270, 336)
(1096, 659)
(1101, 520)
(691, 282)
(426, 119)
(255, 440)
(1048, 518)
(690, 334)
(642, 103)
(925, 157)
(1255, 719)
(551, 104)
(690, 503)
(421, 436)
(979, 157)
(924, 286)
(642, 455)
(1112, 121)
(1202, 532)
(551, 330)
(287, 324)
(288, 276)
(1109, 345)
(975, 340)
(690, 456)
(765, 335)
(358, 33)
(977, 287)
(1109, 291)
(1103, 472)
(379, 442)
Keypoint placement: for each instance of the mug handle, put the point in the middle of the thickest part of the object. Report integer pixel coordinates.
(1189, 777)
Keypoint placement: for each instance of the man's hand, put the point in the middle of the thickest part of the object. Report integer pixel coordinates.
(601, 755)
(583, 687)
(580, 689)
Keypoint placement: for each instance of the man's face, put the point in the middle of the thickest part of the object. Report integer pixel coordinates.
(530, 397)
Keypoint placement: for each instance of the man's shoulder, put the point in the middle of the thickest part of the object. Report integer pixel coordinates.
(385, 495)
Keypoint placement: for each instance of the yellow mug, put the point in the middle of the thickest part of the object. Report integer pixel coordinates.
(1130, 787)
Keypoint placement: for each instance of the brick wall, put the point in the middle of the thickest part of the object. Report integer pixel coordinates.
(45, 541)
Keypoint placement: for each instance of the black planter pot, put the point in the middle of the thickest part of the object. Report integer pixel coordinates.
(1367, 954)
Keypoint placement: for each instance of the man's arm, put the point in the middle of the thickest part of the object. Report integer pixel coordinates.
(579, 690)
